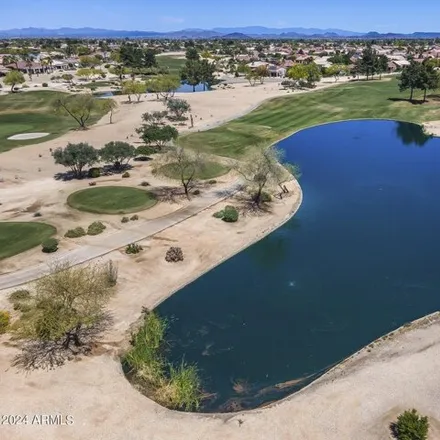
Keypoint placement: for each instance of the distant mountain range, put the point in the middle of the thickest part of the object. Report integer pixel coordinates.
(223, 33)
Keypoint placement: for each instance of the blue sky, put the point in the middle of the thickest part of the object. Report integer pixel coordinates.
(164, 15)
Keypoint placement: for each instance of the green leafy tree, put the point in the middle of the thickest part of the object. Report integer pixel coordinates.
(13, 78)
(79, 107)
(411, 78)
(192, 54)
(262, 72)
(191, 73)
(430, 79)
(336, 70)
(134, 88)
(207, 71)
(313, 73)
(164, 86)
(76, 157)
(156, 135)
(117, 152)
(411, 426)
(178, 107)
(297, 73)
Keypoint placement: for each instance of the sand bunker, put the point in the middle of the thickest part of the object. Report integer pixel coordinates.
(27, 136)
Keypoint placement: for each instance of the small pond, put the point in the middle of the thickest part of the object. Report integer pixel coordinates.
(360, 258)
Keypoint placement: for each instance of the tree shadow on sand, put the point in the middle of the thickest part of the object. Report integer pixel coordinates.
(47, 355)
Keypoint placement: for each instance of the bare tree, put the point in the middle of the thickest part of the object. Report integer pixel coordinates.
(182, 164)
(263, 169)
(66, 307)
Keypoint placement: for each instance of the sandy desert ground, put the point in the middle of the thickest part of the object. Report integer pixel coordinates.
(357, 400)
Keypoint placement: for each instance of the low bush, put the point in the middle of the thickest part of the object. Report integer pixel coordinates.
(230, 214)
(174, 254)
(133, 248)
(45, 85)
(125, 220)
(5, 318)
(37, 214)
(134, 217)
(411, 426)
(219, 214)
(94, 172)
(92, 183)
(212, 181)
(196, 192)
(96, 228)
(144, 183)
(75, 233)
(49, 246)
(126, 175)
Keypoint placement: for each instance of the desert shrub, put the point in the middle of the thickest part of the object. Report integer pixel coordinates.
(125, 220)
(219, 214)
(126, 175)
(230, 214)
(5, 317)
(24, 86)
(144, 183)
(133, 248)
(19, 295)
(94, 172)
(411, 426)
(75, 233)
(196, 192)
(50, 245)
(174, 254)
(212, 181)
(45, 85)
(134, 217)
(37, 214)
(96, 228)
(92, 183)
(265, 197)
(111, 273)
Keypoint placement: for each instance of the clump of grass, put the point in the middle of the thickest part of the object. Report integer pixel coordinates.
(177, 387)
(183, 388)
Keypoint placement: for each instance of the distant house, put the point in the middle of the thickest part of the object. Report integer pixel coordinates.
(31, 68)
(276, 71)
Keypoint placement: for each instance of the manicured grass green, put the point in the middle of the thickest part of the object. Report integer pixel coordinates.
(283, 116)
(17, 237)
(209, 171)
(32, 111)
(174, 64)
(111, 200)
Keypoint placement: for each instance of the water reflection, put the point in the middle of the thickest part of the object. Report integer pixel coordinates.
(411, 134)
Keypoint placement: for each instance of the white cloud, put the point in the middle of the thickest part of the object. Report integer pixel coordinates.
(168, 19)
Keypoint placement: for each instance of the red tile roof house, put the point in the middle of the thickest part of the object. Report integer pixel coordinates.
(34, 68)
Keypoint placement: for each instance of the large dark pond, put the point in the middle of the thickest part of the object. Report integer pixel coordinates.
(360, 258)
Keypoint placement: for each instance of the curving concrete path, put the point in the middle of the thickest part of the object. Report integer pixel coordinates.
(100, 246)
